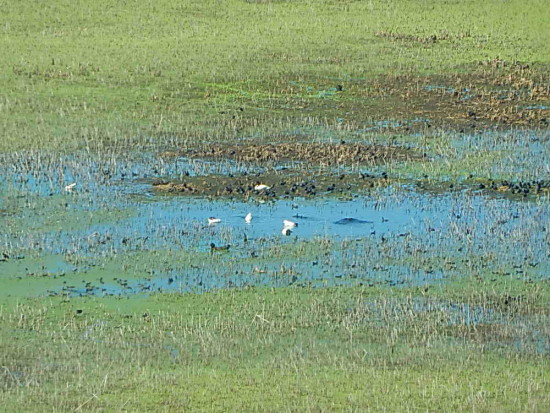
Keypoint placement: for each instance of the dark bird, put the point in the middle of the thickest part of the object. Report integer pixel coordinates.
(223, 248)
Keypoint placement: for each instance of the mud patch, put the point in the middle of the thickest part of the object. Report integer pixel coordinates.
(434, 38)
(491, 94)
(328, 154)
(503, 188)
(498, 93)
(273, 186)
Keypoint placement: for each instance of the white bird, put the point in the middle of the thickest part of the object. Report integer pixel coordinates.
(70, 187)
(261, 187)
(248, 218)
(286, 231)
(289, 224)
(213, 220)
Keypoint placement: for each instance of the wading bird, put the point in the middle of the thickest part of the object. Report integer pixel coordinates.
(286, 231)
(214, 220)
(248, 218)
(289, 224)
(261, 187)
(223, 248)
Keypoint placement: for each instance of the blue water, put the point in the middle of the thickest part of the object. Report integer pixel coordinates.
(372, 235)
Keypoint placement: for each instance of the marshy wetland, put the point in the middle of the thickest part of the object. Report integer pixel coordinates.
(411, 150)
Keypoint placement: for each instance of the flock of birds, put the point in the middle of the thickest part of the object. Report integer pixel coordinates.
(288, 226)
(259, 187)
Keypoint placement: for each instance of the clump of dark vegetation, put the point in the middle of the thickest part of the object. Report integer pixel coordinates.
(313, 153)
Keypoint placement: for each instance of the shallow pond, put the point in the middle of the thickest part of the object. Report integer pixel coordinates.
(112, 235)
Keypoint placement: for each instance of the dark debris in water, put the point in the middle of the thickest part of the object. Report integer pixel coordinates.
(352, 221)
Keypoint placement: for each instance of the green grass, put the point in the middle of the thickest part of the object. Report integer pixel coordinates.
(325, 349)
(81, 74)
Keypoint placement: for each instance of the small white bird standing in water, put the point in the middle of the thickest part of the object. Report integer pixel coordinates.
(70, 187)
(286, 231)
(289, 224)
(213, 220)
(248, 218)
(261, 187)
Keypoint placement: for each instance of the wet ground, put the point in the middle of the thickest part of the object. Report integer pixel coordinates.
(497, 93)
(316, 153)
(141, 223)
(116, 233)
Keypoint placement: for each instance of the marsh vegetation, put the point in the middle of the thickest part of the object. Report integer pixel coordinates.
(412, 150)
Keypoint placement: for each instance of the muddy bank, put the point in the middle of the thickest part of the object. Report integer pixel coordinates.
(270, 186)
(504, 188)
(495, 93)
(314, 153)
(273, 186)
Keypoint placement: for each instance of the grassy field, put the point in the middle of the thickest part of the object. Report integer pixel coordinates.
(111, 298)
(76, 74)
(257, 349)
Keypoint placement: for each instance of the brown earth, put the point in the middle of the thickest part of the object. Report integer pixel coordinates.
(493, 94)
(312, 153)
(289, 185)
(496, 93)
